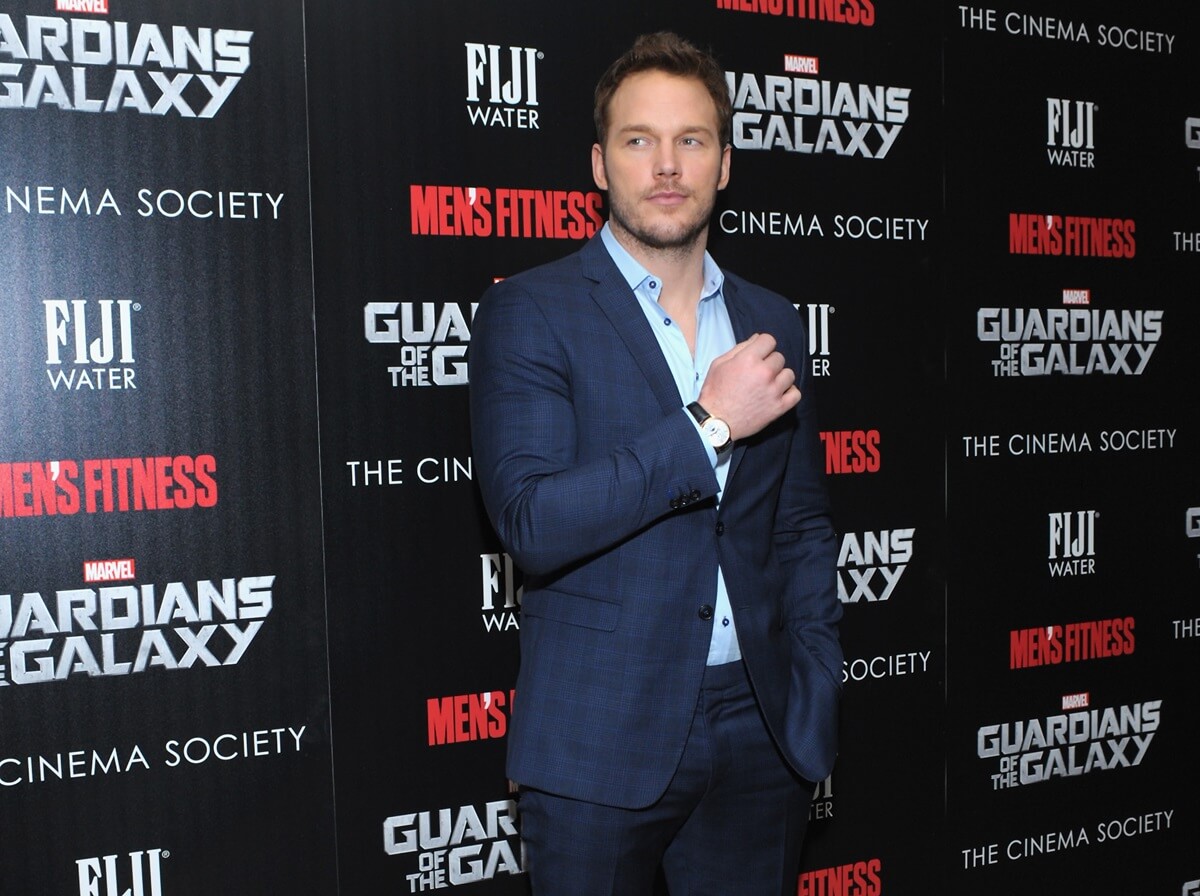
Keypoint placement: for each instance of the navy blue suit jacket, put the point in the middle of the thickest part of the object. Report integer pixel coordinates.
(601, 489)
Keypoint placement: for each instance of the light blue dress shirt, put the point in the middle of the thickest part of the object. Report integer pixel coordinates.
(714, 337)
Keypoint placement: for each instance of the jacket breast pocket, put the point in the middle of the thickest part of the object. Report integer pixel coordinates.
(583, 610)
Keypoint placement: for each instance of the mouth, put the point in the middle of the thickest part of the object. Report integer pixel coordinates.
(667, 198)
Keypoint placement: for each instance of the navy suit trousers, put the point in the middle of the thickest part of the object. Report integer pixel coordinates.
(731, 822)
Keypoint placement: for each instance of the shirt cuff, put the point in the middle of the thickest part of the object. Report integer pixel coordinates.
(708, 448)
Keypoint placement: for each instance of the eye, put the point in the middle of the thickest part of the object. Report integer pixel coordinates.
(638, 141)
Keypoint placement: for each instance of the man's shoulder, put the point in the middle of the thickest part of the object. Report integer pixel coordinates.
(546, 284)
(584, 263)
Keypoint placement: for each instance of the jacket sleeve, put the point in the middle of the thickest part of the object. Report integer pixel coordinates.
(805, 543)
(551, 502)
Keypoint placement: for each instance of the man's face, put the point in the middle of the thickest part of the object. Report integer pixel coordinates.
(662, 162)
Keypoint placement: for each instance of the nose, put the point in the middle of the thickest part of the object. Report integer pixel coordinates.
(666, 161)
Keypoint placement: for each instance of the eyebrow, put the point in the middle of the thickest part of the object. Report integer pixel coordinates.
(690, 129)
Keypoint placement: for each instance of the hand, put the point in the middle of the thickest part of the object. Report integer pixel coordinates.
(749, 386)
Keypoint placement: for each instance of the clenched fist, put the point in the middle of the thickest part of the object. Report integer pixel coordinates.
(749, 386)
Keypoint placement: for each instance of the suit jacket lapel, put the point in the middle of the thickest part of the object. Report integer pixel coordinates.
(618, 302)
(743, 326)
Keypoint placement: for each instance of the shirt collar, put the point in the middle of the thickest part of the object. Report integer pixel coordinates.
(636, 275)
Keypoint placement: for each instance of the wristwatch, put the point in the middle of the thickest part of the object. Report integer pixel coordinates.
(715, 429)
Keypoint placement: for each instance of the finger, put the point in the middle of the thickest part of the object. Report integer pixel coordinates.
(788, 400)
(785, 379)
(774, 362)
(765, 344)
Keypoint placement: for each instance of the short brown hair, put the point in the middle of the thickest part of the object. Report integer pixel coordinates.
(665, 51)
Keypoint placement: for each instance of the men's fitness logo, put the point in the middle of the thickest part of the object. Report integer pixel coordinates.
(456, 846)
(862, 878)
(94, 65)
(870, 564)
(433, 339)
(1079, 236)
(502, 591)
(103, 361)
(1052, 645)
(814, 116)
(851, 451)
(1072, 550)
(844, 12)
(107, 485)
(468, 717)
(137, 874)
(126, 629)
(440, 210)
(1070, 133)
(502, 88)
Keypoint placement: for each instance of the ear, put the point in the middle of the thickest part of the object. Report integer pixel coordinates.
(599, 175)
(726, 153)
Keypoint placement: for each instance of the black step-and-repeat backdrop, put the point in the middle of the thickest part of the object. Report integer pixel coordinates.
(256, 634)
(164, 702)
(1072, 188)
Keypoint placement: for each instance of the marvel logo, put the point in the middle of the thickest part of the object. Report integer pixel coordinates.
(804, 65)
(99, 7)
(108, 570)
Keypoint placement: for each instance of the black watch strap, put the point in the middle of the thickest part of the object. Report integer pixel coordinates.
(697, 410)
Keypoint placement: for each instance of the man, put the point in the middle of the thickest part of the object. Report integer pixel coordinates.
(648, 460)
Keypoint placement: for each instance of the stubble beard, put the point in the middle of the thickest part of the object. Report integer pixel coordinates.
(671, 239)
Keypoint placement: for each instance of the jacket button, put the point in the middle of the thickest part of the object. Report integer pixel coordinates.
(720, 528)
(706, 612)
(675, 503)
(695, 495)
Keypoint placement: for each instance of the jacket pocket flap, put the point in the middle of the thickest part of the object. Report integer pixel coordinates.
(574, 609)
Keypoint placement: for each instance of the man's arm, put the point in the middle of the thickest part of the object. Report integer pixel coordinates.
(549, 508)
(805, 542)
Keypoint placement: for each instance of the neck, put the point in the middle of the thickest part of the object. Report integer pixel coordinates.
(679, 268)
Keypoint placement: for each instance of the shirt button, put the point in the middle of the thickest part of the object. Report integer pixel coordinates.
(653, 285)
(720, 529)
(706, 612)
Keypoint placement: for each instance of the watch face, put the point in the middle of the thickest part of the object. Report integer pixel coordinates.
(717, 431)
